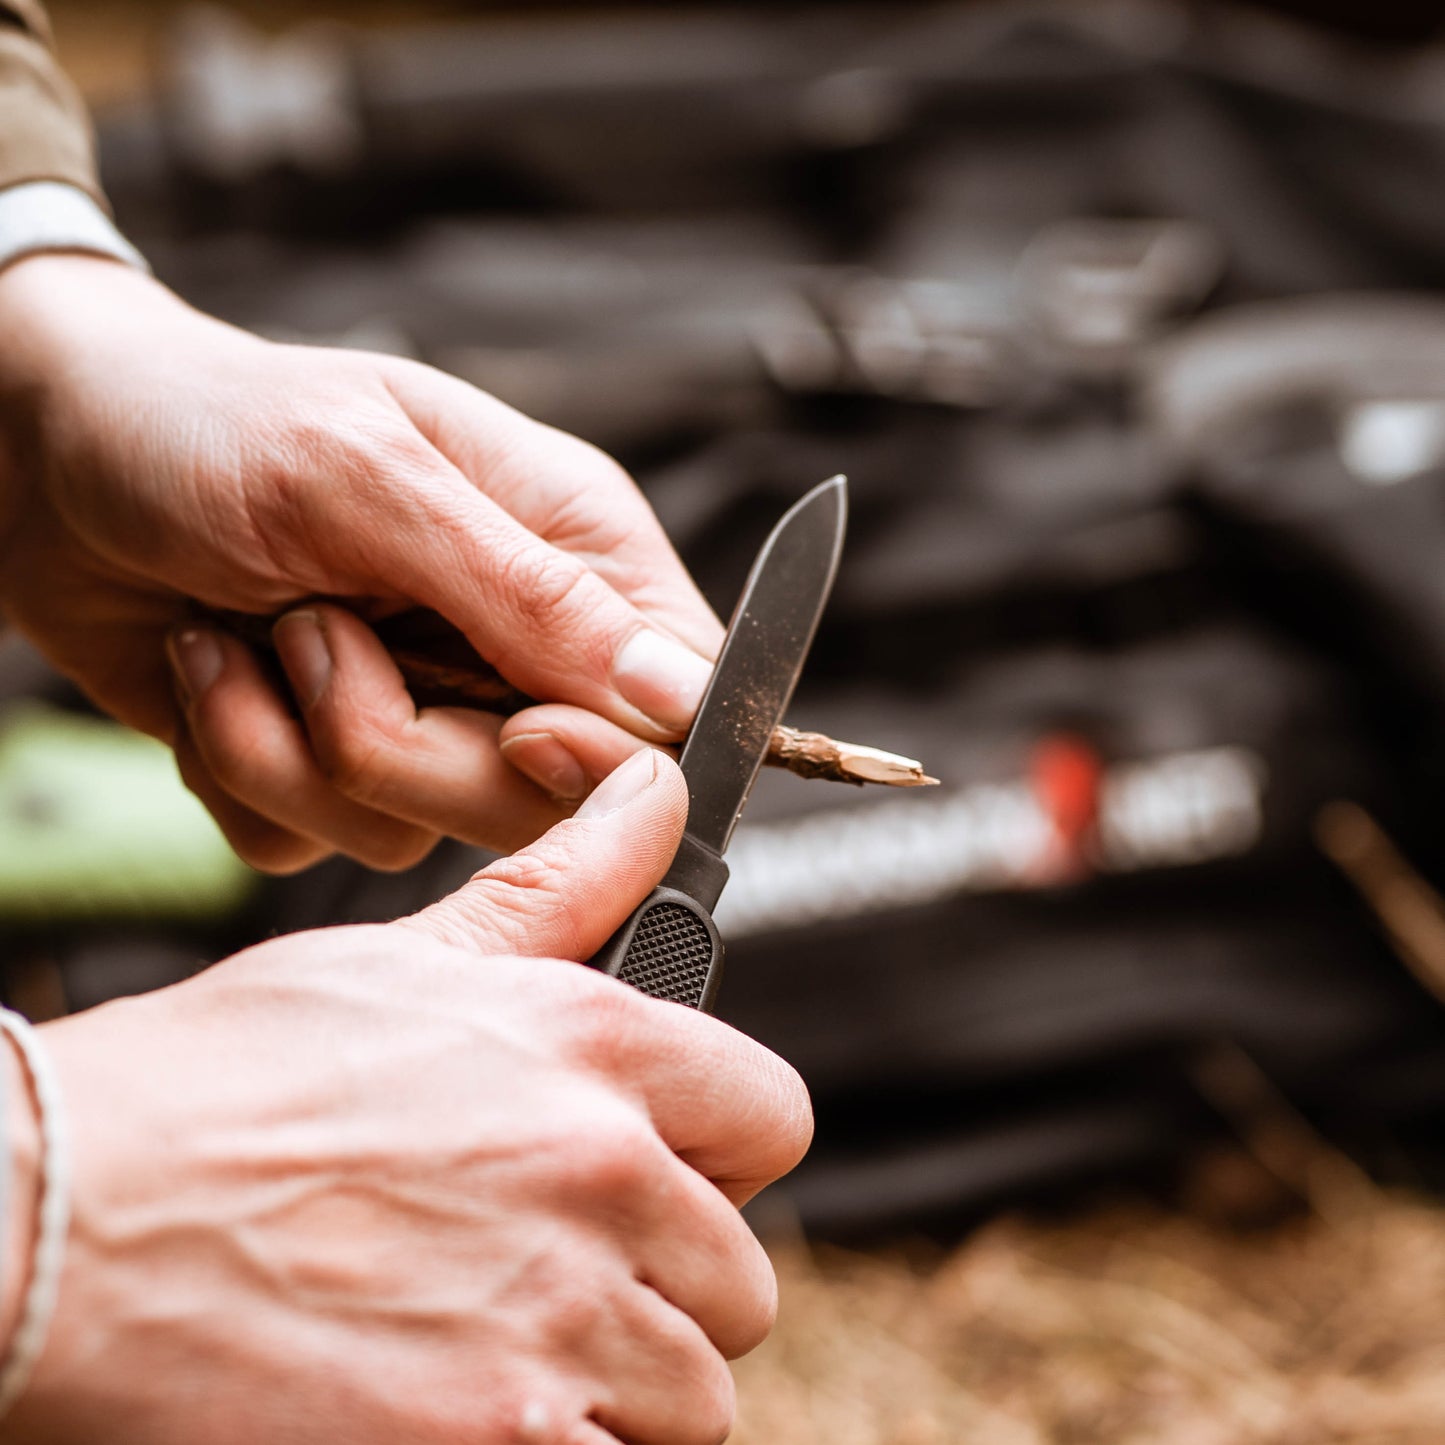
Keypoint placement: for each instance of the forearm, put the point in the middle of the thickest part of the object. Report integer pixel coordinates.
(51, 305)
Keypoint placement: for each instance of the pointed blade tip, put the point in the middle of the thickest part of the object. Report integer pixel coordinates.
(808, 542)
(831, 493)
(836, 487)
(834, 490)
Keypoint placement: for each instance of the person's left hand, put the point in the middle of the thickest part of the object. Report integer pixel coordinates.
(417, 1183)
(155, 459)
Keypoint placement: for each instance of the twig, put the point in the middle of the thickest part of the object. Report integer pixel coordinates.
(441, 669)
(814, 755)
(1412, 912)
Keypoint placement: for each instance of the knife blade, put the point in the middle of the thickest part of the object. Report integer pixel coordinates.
(669, 947)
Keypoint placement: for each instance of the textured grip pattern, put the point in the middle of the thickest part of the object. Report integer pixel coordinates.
(670, 954)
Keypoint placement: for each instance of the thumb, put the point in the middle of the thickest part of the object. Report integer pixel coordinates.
(566, 895)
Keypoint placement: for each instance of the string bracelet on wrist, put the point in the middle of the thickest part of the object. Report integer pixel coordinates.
(53, 1214)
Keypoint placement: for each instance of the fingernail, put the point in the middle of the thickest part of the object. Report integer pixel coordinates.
(661, 678)
(301, 642)
(548, 763)
(621, 786)
(197, 659)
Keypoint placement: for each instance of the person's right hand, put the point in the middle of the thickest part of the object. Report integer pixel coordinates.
(156, 465)
(367, 1184)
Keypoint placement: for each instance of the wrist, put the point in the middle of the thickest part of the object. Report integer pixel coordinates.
(49, 300)
(54, 309)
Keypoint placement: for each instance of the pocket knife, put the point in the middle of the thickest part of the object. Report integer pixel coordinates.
(669, 947)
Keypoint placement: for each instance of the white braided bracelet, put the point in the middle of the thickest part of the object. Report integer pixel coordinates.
(54, 1212)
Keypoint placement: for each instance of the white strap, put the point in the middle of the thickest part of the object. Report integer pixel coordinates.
(53, 216)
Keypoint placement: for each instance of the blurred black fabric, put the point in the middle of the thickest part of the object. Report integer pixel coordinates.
(1123, 321)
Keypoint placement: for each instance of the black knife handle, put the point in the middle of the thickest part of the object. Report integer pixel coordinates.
(669, 948)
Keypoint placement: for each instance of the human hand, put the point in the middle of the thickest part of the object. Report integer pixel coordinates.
(365, 1184)
(154, 458)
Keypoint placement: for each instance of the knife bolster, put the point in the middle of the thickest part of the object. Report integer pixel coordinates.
(698, 871)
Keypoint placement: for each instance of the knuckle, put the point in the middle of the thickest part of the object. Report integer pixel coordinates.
(757, 1307)
(277, 497)
(272, 850)
(365, 445)
(239, 759)
(526, 874)
(263, 845)
(523, 888)
(598, 1018)
(587, 460)
(789, 1130)
(281, 499)
(579, 1313)
(545, 587)
(526, 1416)
(352, 757)
(616, 1157)
(402, 454)
(396, 851)
(386, 461)
(716, 1401)
(487, 1411)
(336, 453)
(569, 1286)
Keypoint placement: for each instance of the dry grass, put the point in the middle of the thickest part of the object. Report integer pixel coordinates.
(1133, 1327)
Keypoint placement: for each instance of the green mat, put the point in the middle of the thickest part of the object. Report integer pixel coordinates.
(94, 821)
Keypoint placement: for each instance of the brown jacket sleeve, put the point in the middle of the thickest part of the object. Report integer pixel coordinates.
(44, 131)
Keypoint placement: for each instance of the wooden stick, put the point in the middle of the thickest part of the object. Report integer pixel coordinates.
(441, 669)
(1412, 912)
(814, 755)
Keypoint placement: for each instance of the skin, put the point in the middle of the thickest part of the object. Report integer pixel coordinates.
(155, 459)
(424, 1182)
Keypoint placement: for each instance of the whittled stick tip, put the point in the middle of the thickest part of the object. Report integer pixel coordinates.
(814, 755)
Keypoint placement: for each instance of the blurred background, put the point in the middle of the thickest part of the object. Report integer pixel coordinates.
(1127, 323)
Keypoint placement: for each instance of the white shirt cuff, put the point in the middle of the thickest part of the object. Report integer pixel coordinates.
(53, 216)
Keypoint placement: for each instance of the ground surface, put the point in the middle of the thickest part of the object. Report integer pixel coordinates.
(1135, 1327)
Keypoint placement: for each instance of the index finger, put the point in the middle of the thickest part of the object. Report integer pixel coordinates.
(732, 1109)
(728, 1106)
(542, 616)
(566, 491)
